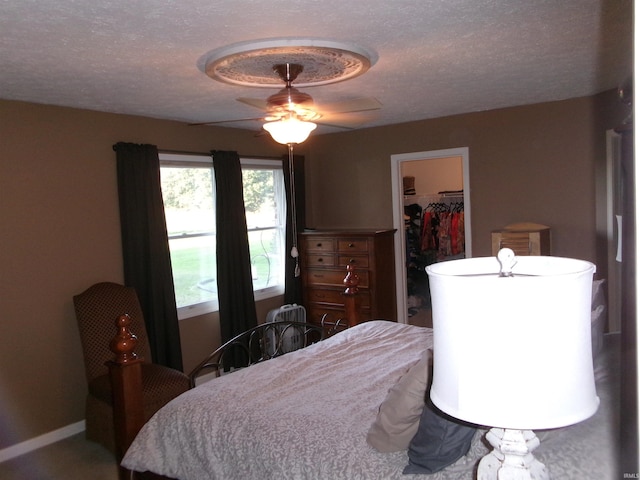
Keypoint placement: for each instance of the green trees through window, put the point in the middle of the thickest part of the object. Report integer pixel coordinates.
(189, 201)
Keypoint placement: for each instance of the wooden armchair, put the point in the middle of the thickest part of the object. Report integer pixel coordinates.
(97, 309)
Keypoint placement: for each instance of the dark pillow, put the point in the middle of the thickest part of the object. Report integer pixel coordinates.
(440, 441)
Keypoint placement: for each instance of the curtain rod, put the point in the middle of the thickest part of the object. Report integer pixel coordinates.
(208, 154)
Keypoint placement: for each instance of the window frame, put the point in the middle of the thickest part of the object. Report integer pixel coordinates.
(199, 160)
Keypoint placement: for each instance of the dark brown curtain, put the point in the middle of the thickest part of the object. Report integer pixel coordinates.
(293, 283)
(235, 286)
(145, 248)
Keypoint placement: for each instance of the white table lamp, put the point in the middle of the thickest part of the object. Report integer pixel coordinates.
(512, 351)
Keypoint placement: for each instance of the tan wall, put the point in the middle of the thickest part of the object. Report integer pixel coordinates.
(60, 233)
(534, 163)
(434, 175)
(59, 224)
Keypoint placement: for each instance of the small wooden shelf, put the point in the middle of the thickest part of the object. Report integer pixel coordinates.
(523, 238)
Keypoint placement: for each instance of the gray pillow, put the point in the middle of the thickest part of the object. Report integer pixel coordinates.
(440, 441)
(399, 414)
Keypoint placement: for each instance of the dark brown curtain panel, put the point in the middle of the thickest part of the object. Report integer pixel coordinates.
(295, 205)
(235, 286)
(145, 248)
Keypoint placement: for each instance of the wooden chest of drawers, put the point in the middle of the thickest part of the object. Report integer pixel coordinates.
(324, 256)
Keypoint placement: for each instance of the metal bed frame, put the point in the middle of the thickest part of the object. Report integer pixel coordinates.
(260, 343)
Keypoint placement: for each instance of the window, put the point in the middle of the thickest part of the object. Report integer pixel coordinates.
(188, 190)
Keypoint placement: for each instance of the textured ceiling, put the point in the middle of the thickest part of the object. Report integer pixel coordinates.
(435, 57)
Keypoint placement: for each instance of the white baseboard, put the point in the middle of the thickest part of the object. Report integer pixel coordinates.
(41, 441)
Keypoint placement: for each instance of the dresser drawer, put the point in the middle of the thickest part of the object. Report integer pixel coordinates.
(357, 261)
(321, 260)
(325, 295)
(314, 276)
(353, 245)
(319, 244)
(315, 314)
(334, 296)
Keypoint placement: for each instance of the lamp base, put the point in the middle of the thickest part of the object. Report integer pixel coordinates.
(511, 457)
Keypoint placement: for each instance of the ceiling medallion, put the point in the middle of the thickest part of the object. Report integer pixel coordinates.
(252, 63)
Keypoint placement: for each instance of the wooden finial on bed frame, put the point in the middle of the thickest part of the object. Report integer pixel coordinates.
(125, 373)
(124, 343)
(351, 299)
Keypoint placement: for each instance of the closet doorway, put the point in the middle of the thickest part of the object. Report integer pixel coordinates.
(433, 171)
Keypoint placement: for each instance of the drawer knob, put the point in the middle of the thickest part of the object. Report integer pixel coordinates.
(318, 244)
(352, 260)
(351, 245)
(320, 260)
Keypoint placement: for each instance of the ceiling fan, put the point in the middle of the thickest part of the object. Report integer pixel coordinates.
(290, 102)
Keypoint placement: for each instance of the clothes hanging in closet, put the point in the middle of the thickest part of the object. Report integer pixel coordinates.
(443, 230)
(433, 232)
(416, 259)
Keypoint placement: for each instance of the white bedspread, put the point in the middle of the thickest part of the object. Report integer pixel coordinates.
(305, 415)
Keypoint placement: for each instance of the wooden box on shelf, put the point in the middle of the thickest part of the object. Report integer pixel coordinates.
(523, 238)
(324, 255)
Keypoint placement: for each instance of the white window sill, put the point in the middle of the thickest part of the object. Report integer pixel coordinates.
(204, 308)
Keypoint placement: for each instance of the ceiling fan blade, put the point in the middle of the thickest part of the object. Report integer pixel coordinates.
(362, 104)
(348, 120)
(260, 103)
(226, 121)
(325, 124)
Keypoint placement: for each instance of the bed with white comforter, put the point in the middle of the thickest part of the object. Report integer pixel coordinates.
(305, 415)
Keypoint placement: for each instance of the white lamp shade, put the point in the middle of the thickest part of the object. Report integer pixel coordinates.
(513, 352)
(289, 130)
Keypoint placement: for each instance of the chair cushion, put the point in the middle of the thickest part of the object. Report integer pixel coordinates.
(160, 385)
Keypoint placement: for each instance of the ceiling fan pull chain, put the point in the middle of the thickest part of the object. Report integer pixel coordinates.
(294, 223)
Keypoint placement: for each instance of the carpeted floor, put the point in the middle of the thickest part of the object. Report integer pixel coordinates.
(73, 458)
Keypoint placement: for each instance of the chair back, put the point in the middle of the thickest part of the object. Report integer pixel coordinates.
(97, 309)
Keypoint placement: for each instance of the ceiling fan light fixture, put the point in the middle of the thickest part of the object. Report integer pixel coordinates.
(305, 61)
(289, 130)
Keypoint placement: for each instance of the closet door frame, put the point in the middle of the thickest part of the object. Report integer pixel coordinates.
(397, 194)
